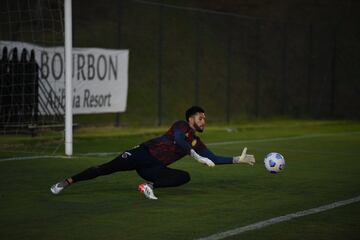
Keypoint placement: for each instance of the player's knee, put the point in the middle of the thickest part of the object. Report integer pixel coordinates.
(186, 177)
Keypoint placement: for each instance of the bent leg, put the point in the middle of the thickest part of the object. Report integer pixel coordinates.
(162, 176)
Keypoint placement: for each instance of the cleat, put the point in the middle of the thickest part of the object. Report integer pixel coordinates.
(147, 190)
(58, 187)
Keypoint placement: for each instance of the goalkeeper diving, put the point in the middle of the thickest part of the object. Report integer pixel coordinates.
(151, 159)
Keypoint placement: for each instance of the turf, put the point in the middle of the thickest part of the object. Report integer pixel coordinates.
(322, 166)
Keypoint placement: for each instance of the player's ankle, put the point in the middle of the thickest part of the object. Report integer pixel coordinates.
(69, 181)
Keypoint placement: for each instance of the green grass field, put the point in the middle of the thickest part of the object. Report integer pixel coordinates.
(323, 167)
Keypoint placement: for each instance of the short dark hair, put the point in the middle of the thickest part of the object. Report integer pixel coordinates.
(192, 111)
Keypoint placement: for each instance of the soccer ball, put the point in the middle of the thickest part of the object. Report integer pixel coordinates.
(274, 162)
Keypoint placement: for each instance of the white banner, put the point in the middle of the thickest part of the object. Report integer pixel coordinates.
(100, 77)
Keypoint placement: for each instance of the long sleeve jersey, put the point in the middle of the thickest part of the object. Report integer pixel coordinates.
(177, 143)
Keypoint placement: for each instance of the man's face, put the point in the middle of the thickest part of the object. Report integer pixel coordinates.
(197, 122)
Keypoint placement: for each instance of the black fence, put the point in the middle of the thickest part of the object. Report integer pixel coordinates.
(18, 88)
(22, 103)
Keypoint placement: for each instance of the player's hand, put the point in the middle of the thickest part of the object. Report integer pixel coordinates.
(244, 158)
(201, 159)
(207, 162)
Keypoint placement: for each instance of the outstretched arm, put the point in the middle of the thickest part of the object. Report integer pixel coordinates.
(180, 140)
(243, 158)
(215, 158)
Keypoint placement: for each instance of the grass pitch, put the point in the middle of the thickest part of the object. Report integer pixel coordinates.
(322, 166)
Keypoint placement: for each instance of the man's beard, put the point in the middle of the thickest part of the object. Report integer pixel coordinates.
(197, 128)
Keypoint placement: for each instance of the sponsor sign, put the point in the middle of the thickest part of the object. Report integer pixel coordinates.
(99, 77)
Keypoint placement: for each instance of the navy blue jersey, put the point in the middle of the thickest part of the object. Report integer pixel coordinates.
(177, 143)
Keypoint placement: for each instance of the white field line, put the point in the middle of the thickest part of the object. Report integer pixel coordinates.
(31, 157)
(284, 218)
(283, 138)
(95, 154)
(101, 154)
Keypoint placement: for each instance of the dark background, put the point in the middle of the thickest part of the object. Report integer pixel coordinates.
(240, 60)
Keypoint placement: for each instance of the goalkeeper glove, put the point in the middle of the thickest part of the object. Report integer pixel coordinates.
(244, 158)
(201, 159)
